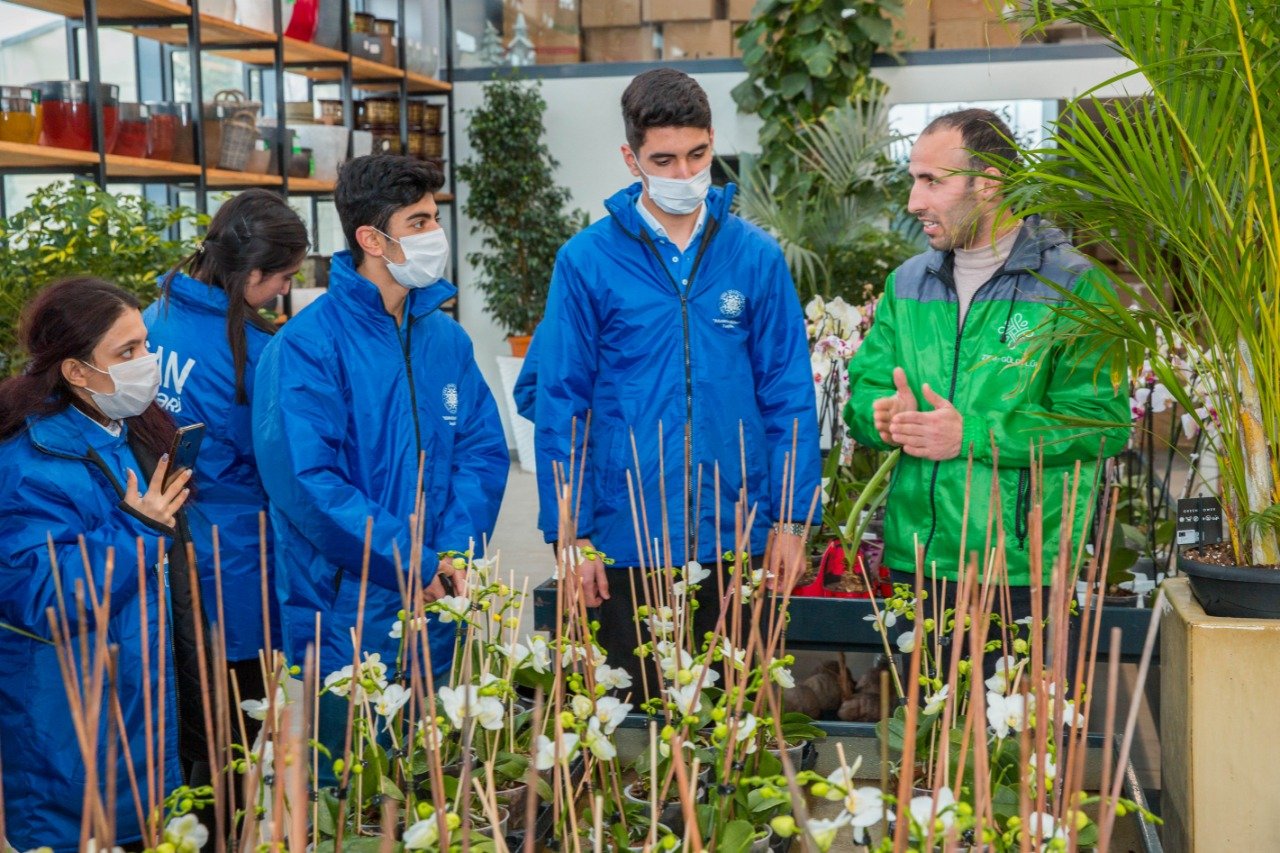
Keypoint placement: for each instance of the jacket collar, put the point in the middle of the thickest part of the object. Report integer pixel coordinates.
(70, 433)
(360, 296)
(622, 206)
(1027, 254)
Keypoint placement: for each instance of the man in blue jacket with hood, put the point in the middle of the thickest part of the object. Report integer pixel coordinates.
(674, 320)
(349, 396)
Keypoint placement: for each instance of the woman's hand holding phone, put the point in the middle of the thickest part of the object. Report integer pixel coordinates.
(161, 502)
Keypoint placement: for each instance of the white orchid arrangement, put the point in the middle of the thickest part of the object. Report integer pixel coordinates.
(836, 330)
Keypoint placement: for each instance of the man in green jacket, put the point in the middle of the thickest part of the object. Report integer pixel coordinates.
(942, 372)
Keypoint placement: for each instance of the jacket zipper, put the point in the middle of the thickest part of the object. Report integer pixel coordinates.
(945, 274)
(1023, 507)
(683, 293)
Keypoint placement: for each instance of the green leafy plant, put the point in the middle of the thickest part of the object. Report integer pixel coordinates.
(516, 204)
(1191, 210)
(805, 57)
(77, 228)
(831, 207)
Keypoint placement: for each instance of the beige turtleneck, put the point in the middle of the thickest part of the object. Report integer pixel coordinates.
(974, 267)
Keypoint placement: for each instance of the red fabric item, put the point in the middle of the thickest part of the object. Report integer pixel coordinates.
(302, 23)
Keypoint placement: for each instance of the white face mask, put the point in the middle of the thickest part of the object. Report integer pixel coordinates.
(137, 382)
(678, 197)
(426, 257)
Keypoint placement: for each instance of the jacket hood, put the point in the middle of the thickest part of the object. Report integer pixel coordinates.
(361, 296)
(193, 293)
(622, 205)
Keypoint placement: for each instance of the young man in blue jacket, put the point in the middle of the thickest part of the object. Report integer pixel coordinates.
(349, 395)
(673, 313)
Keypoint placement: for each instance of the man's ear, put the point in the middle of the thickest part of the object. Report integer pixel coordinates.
(371, 242)
(629, 158)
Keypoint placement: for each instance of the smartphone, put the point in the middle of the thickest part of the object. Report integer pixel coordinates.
(184, 450)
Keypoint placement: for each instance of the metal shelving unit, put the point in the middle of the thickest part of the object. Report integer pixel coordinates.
(178, 27)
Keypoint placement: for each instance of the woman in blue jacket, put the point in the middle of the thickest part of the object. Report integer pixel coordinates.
(79, 437)
(208, 333)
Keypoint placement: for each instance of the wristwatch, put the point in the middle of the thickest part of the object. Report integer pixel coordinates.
(795, 529)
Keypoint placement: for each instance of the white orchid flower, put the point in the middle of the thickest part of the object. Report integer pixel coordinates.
(598, 742)
(452, 608)
(815, 309)
(186, 833)
(927, 809)
(1050, 768)
(518, 653)
(865, 807)
(907, 642)
(454, 701)
(339, 683)
(1005, 714)
(1006, 672)
(391, 700)
(781, 675)
(397, 627)
(694, 573)
(662, 621)
(886, 619)
(90, 846)
(611, 712)
(1044, 827)
(546, 753)
(540, 653)
(823, 832)
(612, 678)
(687, 698)
(672, 659)
(746, 732)
(735, 656)
(422, 835)
(933, 703)
(256, 709)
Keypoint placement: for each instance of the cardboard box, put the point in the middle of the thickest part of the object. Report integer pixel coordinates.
(958, 10)
(610, 13)
(551, 25)
(913, 27)
(620, 44)
(951, 35)
(740, 10)
(683, 10)
(697, 40)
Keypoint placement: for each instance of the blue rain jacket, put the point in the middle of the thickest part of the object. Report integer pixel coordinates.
(198, 385)
(62, 477)
(626, 338)
(344, 402)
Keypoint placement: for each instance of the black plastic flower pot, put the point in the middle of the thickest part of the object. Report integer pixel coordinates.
(1237, 591)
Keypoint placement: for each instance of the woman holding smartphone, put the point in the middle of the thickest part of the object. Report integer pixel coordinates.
(82, 469)
(208, 333)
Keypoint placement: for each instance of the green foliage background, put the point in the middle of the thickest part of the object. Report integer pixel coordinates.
(72, 228)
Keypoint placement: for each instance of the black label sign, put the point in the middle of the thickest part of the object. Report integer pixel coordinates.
(1199, 521)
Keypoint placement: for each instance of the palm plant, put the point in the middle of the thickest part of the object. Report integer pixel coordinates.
(1180, 186)
(832, 218)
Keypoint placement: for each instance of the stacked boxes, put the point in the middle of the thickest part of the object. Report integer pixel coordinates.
(647, 30)
(954, 24)
(549, 26)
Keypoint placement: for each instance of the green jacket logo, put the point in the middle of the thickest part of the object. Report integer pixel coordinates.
(1014, 330)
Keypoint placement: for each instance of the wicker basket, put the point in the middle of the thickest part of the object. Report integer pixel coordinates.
(230, 129)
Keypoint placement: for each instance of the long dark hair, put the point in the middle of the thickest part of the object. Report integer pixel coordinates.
(67, 320)
(256, 230)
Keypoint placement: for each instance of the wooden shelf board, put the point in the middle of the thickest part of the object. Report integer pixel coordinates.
(213, 32)
(443, 198)
(421, 83)
(18, 155)
(297, 54)
(138, 167)
(224, 178)
(310, 186)
(112, 9)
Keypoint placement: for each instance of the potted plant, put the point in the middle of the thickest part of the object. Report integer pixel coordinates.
(78, 228)
(516, 205)
(1191, 210)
